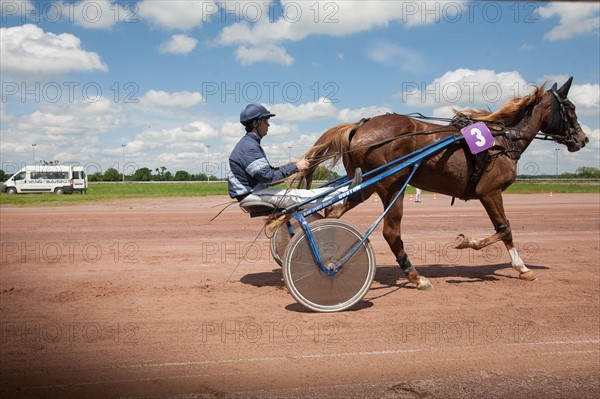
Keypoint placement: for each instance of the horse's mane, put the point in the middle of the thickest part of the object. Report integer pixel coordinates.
(510, 111)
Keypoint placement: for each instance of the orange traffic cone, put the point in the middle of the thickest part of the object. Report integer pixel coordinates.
(410, 198)
(550, 193)
(434, 197)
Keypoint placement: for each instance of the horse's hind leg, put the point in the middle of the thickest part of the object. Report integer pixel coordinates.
(336, 211)
(495, 210)
(392, 234)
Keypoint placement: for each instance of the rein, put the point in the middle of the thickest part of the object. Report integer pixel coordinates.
(560, 120)
(457, 122)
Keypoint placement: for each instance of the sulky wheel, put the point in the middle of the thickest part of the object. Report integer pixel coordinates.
(282, 236)
(313, 288)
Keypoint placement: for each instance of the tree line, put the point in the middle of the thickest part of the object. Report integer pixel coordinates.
(162, 174)
(146, 174)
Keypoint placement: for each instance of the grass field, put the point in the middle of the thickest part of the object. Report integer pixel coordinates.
(117, 191)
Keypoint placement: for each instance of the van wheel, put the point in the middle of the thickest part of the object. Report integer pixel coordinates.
(59, 191)
(11, 190)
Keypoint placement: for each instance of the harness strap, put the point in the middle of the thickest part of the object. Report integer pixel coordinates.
(559, 119)
(480, 160)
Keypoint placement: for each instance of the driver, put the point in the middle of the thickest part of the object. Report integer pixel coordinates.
(250, 171)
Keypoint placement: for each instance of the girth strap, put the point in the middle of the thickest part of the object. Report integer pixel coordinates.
(479, 163)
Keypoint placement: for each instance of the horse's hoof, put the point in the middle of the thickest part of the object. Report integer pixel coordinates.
(425, 286)
(527, 276)
(461, 242)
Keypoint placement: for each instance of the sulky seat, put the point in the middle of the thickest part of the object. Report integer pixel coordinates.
(257, 208)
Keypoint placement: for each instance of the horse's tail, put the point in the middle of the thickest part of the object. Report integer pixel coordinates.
(332, 146)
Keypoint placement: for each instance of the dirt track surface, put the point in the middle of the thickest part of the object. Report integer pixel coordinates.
(147, 298)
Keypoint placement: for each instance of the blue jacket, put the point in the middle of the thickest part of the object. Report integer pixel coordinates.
(250, 170)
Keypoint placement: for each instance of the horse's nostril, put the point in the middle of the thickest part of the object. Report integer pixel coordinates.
(587, 140)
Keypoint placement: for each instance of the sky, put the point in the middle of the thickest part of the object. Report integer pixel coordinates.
(152, 83)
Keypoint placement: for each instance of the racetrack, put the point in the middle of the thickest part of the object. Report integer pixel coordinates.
(147, 298)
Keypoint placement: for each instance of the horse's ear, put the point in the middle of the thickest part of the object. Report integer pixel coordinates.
(554, 87)
(564, 90)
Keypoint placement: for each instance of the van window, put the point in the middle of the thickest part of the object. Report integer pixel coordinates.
(20, 176)
(78, 174)
(49, 175)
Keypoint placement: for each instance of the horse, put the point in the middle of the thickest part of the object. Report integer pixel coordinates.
(453, 171)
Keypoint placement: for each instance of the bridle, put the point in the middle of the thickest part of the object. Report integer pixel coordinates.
(560, 122)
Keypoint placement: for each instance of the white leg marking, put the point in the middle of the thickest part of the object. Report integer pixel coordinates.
(517, 262)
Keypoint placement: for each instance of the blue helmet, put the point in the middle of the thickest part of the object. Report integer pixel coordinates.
(254, 111)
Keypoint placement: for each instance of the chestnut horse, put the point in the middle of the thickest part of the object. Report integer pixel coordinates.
(379, 140)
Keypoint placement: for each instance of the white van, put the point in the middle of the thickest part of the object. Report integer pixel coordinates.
(57, 179)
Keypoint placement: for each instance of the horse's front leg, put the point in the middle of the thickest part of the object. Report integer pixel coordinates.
(495, 210)
(392, 234)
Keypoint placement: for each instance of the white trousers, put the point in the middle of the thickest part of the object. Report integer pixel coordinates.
(282, 198)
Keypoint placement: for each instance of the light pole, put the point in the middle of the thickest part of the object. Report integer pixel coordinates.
(33, 149)
(289, 153)
(207, 161)
(123, 146)
(557, 150)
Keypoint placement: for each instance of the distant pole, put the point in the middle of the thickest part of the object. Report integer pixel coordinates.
(33, 149)
(123, 146)
(289, 153)
(557, 150)
(207, 161)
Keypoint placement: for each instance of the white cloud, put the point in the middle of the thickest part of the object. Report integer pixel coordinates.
(5, 116)
(178, 44)
(354, 115)
(267, 53)
(320, 109)
(302, 19)
(586, 98)
(183, 99)
(446, 111)
(391, 54)
(542, 157)
(27, 51)
(469, 88)
(594, 145)
(56, 122)
(526, 47)
(465, 87)
(576, 19)
(177, 14)
(281, 129)
(180, 147)
(186, 137)
(70, 132)
(96, 14)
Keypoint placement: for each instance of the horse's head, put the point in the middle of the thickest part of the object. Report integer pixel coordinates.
(562, 124)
